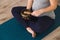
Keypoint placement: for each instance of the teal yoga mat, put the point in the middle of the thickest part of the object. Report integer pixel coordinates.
(13, 30)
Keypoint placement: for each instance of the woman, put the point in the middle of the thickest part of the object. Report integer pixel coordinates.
(43, 10)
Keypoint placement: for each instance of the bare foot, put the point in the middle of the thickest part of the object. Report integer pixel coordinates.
(34, 35)
(31, 32)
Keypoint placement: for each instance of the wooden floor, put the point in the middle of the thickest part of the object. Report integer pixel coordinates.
(5, 15)
(5, 8)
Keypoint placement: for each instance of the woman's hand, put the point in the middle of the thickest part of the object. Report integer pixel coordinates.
(52, 7)
(37, 13)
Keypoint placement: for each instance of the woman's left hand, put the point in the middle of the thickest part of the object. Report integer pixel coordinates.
(37, 13)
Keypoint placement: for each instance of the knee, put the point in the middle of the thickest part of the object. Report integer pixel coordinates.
(13, 10)
(17, 9)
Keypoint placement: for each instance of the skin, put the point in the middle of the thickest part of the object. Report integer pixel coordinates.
(53, 6)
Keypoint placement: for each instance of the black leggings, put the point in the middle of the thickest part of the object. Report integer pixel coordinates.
(41, 25)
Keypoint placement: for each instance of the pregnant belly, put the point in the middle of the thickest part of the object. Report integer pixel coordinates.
(37, 6)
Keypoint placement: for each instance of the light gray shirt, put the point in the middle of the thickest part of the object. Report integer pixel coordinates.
(39, 4)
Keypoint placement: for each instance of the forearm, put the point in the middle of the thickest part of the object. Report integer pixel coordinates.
(29, 4)
(53, 6)
(48, 9)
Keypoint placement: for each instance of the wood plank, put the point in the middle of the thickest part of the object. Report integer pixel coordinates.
(55, 35)
(6, 6)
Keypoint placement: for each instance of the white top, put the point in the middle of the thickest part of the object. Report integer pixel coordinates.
(39, 4)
